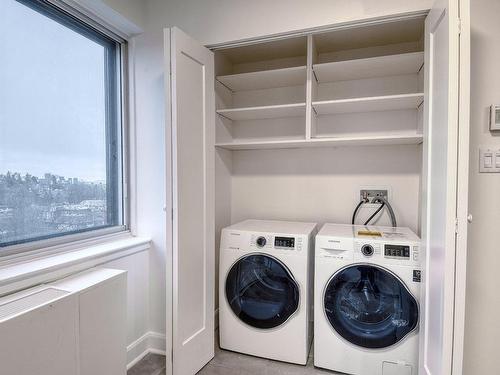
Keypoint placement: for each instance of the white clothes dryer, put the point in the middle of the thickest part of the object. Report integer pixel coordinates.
(265, 289)
(367, 287)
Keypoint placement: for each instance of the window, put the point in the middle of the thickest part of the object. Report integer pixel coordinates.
(61, 169)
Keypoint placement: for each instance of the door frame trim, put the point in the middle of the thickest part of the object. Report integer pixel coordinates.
(462, 183)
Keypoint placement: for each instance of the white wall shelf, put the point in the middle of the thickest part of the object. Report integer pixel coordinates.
(264, 112)
(380, 66)
(369, 104)
(265, 79)
(374, 140)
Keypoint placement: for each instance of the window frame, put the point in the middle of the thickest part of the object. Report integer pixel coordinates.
(68, 13)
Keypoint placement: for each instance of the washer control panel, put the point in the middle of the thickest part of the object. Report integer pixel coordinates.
(284, 242)
(268, 242)
(397, 253)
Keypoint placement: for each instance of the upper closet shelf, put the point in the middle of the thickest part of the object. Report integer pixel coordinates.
(381, 66)
(266, 79)
(369, 104)
(366, 140)
(265, 112)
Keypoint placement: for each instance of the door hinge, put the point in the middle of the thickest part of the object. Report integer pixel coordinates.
(459, 23)
(456, 225)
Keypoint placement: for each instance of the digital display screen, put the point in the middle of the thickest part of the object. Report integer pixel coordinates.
(397, 251)
(284, 242)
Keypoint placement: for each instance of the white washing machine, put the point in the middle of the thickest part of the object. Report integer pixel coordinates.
(265, 289)
(367, 287)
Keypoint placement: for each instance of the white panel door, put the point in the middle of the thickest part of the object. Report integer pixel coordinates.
(444, 185)
(193, 197)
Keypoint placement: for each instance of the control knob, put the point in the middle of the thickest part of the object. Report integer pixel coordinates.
(261, 241)
(367, 250)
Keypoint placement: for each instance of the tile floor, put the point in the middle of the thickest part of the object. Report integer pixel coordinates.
(230, 363)
(151, 364)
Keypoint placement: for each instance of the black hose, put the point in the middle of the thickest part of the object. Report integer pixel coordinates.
(382, 205)
(355, 213)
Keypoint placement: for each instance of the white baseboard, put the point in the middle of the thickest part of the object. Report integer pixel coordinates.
(150, 342)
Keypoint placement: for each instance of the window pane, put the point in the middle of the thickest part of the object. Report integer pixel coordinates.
(59, 125)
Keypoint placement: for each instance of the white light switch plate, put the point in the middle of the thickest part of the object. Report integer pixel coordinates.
(489, 160)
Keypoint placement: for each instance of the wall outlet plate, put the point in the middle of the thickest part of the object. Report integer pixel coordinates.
(372, 194)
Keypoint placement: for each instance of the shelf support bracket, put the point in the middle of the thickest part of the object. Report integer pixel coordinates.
(227, 87)
(315, 76)
(221, 115)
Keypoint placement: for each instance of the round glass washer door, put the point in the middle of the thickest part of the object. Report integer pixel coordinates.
(261, 291)
(369, 306)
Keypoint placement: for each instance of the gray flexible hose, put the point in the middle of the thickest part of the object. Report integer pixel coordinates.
(391, 211)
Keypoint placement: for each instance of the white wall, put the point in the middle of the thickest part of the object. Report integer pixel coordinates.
(483, 300)
(322, 185)
(146, 270)
(133, 10)
(151, 189)
(137, 266)
(150, 166)
(148, 315)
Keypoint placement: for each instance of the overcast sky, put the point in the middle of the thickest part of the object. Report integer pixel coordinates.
(51, 97)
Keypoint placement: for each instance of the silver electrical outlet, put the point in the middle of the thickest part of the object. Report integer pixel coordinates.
(372, 194)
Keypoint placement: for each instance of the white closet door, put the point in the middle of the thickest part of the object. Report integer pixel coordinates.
(192, 137)
(444, 186)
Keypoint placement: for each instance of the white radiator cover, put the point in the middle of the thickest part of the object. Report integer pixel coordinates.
(25, 303)
(73, 326)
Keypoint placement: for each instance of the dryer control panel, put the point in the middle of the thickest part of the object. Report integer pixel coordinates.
(397, 251)
(276, 242)
(391, 252)
(271, 237)
(284, 242)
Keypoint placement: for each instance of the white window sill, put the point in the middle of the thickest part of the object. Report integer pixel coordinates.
(24, 274)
